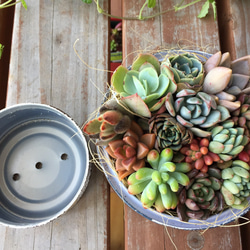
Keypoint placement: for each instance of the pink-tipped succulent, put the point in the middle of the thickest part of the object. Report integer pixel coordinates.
(130, 151)
(227, 79)
(201, 197)
(241, 116)
(112, 122)
(143, 89)
(197, 111)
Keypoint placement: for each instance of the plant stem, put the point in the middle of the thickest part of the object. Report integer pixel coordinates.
(180, 6)
(6, 4)
(142, 8)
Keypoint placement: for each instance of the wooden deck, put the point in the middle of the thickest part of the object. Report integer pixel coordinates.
(44, 68)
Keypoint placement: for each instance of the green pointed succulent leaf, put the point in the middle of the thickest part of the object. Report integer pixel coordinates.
(136, 105)
(138, 86)
(150, 77)
(216, 147)
(156, 104)
(93, 126)
(163, 85)
(142, 58)
(129, 85)
(212, 119)
(118, 78)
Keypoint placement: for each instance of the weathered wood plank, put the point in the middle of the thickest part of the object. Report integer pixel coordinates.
(235, 24)
(6, 24)
(172, 30)
(45, 69)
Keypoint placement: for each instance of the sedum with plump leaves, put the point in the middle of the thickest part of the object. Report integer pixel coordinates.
(227, 140)
(158, 185)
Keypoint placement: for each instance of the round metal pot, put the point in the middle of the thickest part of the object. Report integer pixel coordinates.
(44, 164)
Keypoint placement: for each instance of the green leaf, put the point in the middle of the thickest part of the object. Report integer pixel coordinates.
(1, 50)
(151, 3)
(204, 9)
(214, 9)
(87, 1)
(24, 4)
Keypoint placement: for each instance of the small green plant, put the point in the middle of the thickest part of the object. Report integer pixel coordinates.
(152, 4)
(1, 50)
(10, 3)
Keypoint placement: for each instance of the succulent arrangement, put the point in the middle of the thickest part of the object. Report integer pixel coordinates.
(177, 131)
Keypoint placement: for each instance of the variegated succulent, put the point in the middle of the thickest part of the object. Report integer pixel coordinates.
(197, 111)
(143, 89)
(187, 69)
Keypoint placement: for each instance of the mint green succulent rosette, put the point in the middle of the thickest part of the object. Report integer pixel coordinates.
(143, 89)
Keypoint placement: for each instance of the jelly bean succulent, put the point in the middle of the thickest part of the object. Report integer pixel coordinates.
(143, 89)
(236, 184)
(198, 154)
(197, 111)
(188, 71)
(201, 197)
(169, 132)
(158, 185)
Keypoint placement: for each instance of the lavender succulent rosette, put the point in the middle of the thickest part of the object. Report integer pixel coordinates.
(177, 136)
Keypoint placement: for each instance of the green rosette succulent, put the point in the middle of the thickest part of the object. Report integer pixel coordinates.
(143, 89)
(169, 132)
(197, 111)
(227, 140)
(188, 71)
(236, 184)
(157, 186)
(201, 197)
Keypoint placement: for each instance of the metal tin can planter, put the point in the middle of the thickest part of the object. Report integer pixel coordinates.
(165, 150)
(44, 164)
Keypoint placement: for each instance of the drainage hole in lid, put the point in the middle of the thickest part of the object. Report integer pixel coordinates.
(39, 165)
(64, 157)
(16, 177)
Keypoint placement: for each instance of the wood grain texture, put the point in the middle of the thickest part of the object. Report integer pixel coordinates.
(45, 69)
(172, 30)
(236, 22)
(180, 29)
(234, 25)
